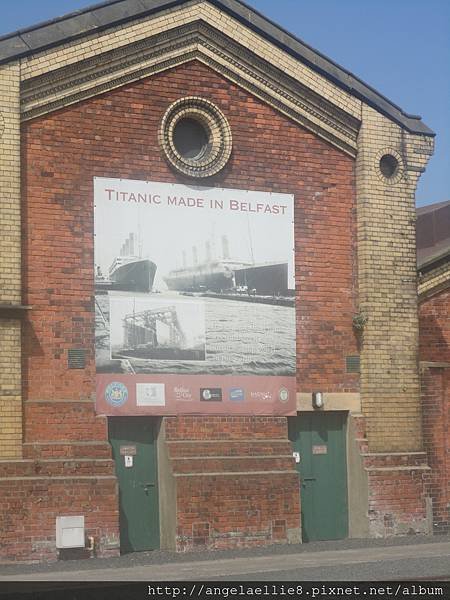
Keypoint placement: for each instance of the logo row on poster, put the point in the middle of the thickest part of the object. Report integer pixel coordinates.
(154, 394)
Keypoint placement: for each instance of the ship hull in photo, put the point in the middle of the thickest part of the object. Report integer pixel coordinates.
(265, 279)
(136, 276)
(214, 277)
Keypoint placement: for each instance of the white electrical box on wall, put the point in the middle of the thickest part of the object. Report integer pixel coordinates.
(70, 532)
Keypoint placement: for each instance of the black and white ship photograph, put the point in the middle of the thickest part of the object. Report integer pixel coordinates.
(150, 329)
(193, 280)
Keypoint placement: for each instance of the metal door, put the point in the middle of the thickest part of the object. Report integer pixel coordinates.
(319, 438)
(134, 451)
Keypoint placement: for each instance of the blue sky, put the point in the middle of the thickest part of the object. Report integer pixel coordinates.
(400, 47)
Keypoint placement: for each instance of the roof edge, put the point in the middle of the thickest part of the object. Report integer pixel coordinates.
(104, 15)
(430, 208)
(433, 261)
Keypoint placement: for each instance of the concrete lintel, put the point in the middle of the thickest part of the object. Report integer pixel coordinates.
(332, 401)
(434, 365)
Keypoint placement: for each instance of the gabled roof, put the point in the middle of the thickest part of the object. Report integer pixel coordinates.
(432, 208)
(433, 234)
(99, 17)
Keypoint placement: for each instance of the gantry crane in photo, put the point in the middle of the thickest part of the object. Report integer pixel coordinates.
(152, 328)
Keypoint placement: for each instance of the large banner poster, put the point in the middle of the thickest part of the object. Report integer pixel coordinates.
(194, 300)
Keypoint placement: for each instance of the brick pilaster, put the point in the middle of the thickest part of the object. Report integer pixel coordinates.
(387, 283)
(10, 263)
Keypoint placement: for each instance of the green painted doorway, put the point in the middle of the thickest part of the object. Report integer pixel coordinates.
(133, 441)
(319, 439)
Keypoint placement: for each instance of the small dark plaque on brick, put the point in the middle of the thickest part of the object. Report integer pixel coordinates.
(76, 358)
(352, 364)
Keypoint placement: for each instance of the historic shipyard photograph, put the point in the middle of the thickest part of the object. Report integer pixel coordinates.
(145, 329)
(185, 281)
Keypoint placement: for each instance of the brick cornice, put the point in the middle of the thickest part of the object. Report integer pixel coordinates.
(199, 40)
(434, 288)
(434, 277)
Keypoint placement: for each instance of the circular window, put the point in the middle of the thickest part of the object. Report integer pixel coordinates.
(388, 165)
(195, 137)
(190, 138)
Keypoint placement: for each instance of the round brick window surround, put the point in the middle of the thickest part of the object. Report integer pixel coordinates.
(195, 137)
(389, 166)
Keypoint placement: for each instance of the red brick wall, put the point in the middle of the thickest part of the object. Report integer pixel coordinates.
(225, 428)
(434, 326)
(397, 494)
(434, 323)
(436, 421)
(237, 511)
(68, 421)
(115, 135)
(34, 493)
(225, 499)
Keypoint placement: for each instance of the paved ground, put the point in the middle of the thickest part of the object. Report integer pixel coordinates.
(347, 560)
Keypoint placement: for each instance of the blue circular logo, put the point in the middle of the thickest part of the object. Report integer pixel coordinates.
(116, 394)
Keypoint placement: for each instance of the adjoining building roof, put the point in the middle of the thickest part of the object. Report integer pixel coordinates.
(422, 210)
(433, 233)
(114, 12)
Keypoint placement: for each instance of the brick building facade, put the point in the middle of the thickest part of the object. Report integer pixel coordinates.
(84, 97)
(433, 250)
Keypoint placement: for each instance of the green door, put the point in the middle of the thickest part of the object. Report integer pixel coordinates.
(134, 451)
(319, 438)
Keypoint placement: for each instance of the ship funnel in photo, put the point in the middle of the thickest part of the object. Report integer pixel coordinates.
(208, 255)
(131, 244)
(225, 248)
